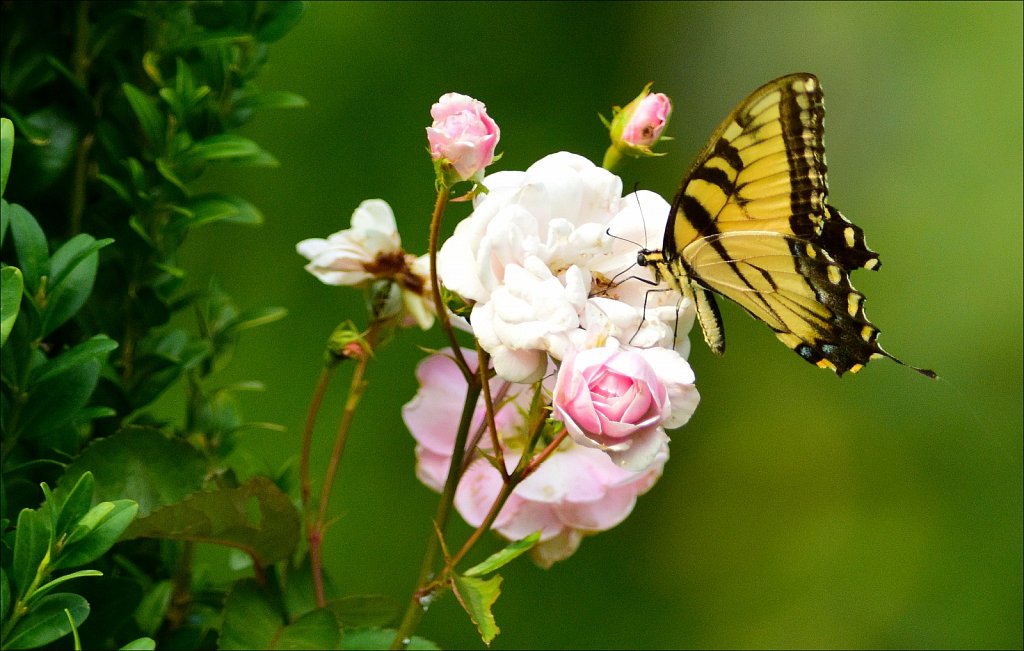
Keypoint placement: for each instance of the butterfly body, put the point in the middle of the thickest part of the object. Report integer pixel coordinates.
(750, 222)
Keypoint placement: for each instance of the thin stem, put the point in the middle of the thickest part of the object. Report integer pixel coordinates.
(307, 434)
(482, 363)
(435, 283)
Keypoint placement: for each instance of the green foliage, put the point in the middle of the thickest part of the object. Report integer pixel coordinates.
(115, 111)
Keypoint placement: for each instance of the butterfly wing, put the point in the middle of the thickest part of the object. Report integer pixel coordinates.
(750, 221)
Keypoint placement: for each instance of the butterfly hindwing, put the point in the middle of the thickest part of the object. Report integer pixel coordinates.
(751, 222)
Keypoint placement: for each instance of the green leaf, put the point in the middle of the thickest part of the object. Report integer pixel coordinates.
(5, 596)
(5, 219)
(256, 517)
(47, 621)
(73, 268)
(227, 146)
(214, 207)
(278, 20)
(11, 287)
(317, 629)
(141, 644)
(364, 610)
(102, 530)
(381, 638)
(31, 547)
(153, 608)
(250, 620)
(140, 464)
(477, 596)
(30, 245)
(502, 557)
(150, 118)
(75, 505)
(57, 400)
(96, 348)
(68, 257)
(166, 170)
(6, 152)
(272, 99)
(50, 585)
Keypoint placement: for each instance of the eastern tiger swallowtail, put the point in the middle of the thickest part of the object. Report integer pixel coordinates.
(750, 222)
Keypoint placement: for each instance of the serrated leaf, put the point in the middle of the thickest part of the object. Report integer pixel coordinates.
(95, 347)
(140, 464)
(364, 610)
(477, 596)
(272, 99)
(214, 207)
(256, 517)
(30, 245)
(500, 558)
(148, 115)
(6, 152)
(250, 621)
(11, 287)
(102, 532)
(381, 638)
(317, 629)
(47, 621)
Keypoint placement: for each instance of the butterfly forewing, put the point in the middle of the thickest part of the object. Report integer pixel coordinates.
(750, 222)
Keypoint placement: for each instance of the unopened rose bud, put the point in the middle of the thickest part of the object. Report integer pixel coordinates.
(462, 138)
(638, 126)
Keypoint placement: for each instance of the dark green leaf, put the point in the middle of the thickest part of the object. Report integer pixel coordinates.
(149, 116)
(278, 20)
(63, 300)
(5, 219)
(502, 557)
(226, 146)
(166, 170)
(272, 99)
(477, 597)
(54, 402)
(47, 621)
(11, 288)
(314, 630)
(102, 530)
(95, 348)
(6, 151)
(50, 585)
(153, 607)
(141, 644)
(381, 638)
(364, 610)
(42, 163)
(250, 620)
(5, 596)
(215, 207)
(75, 505)
(140, 464)
(67, 258)
(32, 544)
(256, 517)
(30, 245)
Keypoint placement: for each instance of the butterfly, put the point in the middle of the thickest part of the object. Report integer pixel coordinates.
(751, 222)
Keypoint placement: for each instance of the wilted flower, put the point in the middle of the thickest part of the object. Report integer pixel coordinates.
(463, 137)
(372, 250)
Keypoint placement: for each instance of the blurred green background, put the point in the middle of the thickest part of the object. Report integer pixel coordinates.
(797, 510)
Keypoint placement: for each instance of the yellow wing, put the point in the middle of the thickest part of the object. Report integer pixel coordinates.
(750, 222)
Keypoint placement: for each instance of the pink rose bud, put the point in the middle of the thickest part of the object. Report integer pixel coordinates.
(637, 127)
(462, 138)
(612, 399)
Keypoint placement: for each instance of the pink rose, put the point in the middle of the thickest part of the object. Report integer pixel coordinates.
(612, 399)
(462, 134)
(648, 120)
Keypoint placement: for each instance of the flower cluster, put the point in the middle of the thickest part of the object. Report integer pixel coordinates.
(547, 262)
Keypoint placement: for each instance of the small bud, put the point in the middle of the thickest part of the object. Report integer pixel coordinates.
(346, 342)
(638, 126)
(462, 138)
